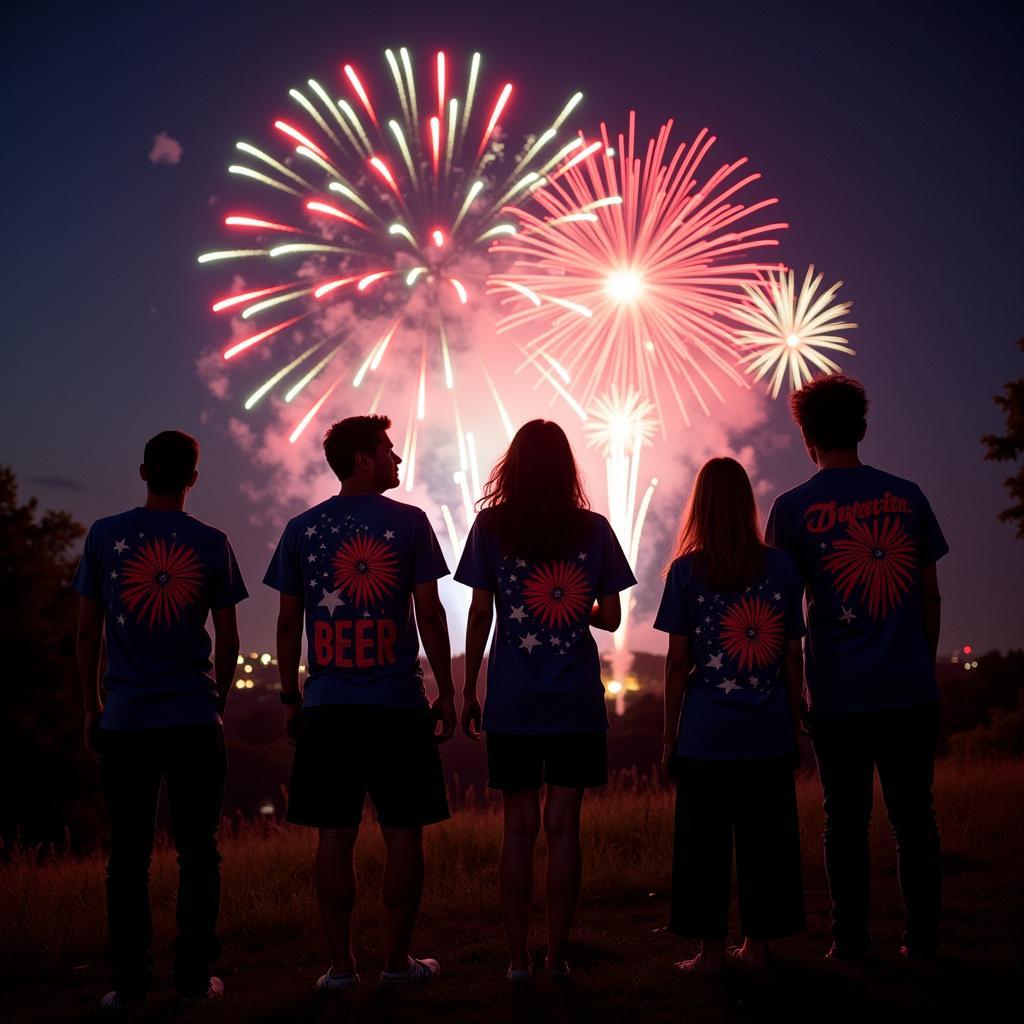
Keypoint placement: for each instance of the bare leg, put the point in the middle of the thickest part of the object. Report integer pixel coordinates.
(565, 867)
(753, 953)
(710, 958)
(522, 824)
(403, 887)
(336, 893)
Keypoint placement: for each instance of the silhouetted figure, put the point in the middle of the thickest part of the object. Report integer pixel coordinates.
(539, 558)
(733, 610)
(356, 565)
(866, 544)
(148, 580)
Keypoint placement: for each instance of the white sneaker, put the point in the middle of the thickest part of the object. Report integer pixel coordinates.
(214, 990)
(336, 982)
(418, 972)
(113, 1001)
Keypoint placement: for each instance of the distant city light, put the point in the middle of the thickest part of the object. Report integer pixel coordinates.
(968, 648)
(248, 668)
(264, 659)
(241, 660)
(615, 686)
(239, 684)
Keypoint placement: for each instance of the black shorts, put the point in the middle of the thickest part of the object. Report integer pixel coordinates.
(345, 751)
(575, 760)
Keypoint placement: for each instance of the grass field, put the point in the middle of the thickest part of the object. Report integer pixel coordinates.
(51, 945)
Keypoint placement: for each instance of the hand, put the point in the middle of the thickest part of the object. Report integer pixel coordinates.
(443, 710)
(92, 723)
(291, 719)
(471, 718)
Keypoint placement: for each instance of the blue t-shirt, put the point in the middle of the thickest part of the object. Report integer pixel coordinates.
(157, 575)
(354, 560)
(735, 704)
(860, 538)
(544, 671)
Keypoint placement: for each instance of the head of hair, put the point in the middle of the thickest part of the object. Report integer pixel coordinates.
(721, 527)
(170, 459)
(534, 497)
(831, 412)
(348, 438)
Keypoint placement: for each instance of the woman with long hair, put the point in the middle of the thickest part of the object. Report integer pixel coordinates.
(540, 559)
(733, 680)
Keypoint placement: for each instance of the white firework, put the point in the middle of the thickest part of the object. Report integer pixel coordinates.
(789, 333)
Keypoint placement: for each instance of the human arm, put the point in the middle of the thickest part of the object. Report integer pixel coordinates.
(433, 627)
(677, 671)
(289, 650)
(478, 628)
(931, 602)
(225, 652)
(87, 650)
(606, 613)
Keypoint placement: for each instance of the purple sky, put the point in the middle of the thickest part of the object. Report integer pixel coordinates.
(891, 135)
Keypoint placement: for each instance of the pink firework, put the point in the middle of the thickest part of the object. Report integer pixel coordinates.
(365, 569)
(880, 559)
(557, 592)
(751, 633)
(626, 279)
(161, 581)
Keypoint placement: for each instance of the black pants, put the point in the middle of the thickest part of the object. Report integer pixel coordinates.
(901, 745)
(192, 762)
(751, 802)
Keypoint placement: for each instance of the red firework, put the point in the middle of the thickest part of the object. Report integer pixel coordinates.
(751, 633)
(558, 593)
(880, 559)
(161, 581)
(365, 569)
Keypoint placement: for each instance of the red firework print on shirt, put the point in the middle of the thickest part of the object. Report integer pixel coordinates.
(557, 592)
(880, 559)
(365, 569)
(160, 582)
(751, 633)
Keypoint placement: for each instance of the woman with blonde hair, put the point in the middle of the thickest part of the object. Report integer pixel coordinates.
(733, 680)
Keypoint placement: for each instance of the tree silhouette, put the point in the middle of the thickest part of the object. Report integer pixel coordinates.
(1009, 447)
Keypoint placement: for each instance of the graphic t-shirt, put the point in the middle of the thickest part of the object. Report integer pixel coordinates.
(157, 575)
(354, 560)
(544, 671)
(860, 538)
(735, 704)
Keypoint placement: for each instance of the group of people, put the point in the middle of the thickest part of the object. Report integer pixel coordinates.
(358, 575)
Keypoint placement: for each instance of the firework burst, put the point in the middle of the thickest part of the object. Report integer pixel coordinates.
(557, 592)
(880, 559)
(161, 581)
(386, 206)
(365, 569)
(751, 633)
(787, 331)
(627, 276)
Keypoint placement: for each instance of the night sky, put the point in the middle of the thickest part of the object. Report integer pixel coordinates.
(891, 133)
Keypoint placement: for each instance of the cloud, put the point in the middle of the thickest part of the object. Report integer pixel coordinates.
(58, 483)
(165, 150)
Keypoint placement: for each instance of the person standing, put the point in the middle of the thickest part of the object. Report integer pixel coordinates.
(148, 580)
(539, 558)
(354, 566)
(866, 543)
(733, 681)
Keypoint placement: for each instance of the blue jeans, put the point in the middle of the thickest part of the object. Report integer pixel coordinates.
(191, 761)
(900, 744)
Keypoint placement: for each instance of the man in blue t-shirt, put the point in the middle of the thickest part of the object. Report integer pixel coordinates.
(866, 544)
(148, 580)
(354, 567)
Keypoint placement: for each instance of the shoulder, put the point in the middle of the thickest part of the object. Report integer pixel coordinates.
(208, 533)
(795, 495)
(681, 568)
(110, 524)
(400, 509)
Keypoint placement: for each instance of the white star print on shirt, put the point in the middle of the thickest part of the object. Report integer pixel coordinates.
(330, 600)
(847, 616)
(120, 620)
(716, 661)
(389, 534)
(120, 547)
(729, 685)
(517, 613)
(113, 575)
(528, 643)
(520, 563)
(700, 599)
(754, 681)
(776, 596)
(310, 531)
(583, 556)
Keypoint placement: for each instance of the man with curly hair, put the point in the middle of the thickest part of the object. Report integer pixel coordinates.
(867, 543)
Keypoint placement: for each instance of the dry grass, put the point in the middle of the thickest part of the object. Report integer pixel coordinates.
(51, 944)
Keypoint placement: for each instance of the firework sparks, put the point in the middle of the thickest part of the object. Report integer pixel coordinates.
(390, 210)
(628, 275)
(787, 331)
